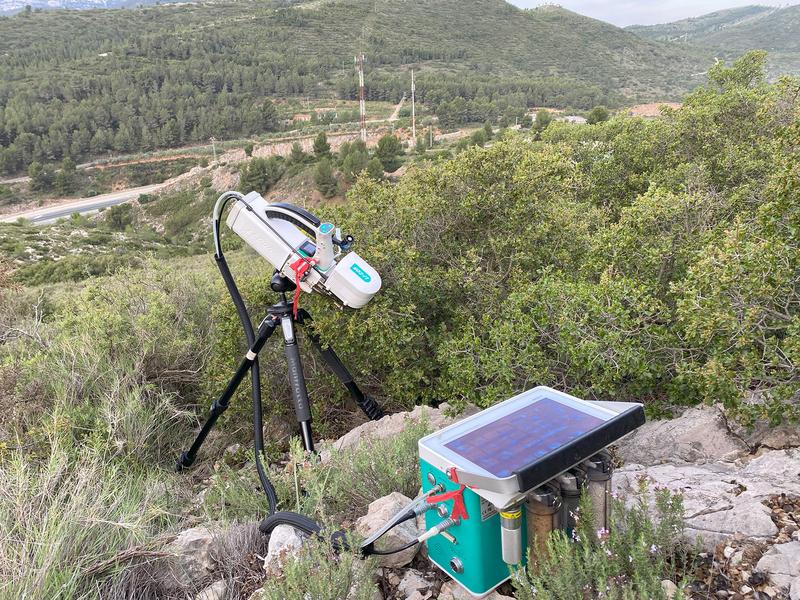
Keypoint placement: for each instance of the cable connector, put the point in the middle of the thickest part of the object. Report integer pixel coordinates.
(437, 529)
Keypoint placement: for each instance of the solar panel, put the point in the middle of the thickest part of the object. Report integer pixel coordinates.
(517, 439)
(527, 440)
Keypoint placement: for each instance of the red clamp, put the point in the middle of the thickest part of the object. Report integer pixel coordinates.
(300, 268)
(457, 496)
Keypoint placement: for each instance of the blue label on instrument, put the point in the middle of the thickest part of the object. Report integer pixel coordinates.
(362, 274)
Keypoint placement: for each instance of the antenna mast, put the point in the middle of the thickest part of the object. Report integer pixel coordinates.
(362, 106)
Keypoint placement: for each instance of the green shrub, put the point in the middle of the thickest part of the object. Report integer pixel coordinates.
(334, 491)
(119, 356)
(628, 562)
(69, 519)
(319, 573)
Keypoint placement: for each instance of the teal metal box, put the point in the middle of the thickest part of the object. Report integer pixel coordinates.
(474, 542)
(493, 462)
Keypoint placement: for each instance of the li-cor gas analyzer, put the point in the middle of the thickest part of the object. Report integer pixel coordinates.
(503, 479)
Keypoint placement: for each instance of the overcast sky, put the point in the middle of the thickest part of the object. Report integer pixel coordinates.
(646, 12)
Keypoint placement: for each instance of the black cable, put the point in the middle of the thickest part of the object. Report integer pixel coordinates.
(371, 550)
(296, 520)
(255, 373)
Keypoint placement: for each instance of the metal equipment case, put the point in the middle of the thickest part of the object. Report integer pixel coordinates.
(497, 458)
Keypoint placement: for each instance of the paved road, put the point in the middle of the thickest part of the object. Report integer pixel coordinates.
(82, 206)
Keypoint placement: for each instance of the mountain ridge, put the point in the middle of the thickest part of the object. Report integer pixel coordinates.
(729, 33)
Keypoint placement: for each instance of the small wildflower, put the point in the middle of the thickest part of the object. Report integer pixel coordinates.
(602, 533)
(653, 549)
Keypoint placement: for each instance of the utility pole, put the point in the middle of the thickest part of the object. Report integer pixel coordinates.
(362, 105)
(430, 145)
(413, 110)
(213, 140)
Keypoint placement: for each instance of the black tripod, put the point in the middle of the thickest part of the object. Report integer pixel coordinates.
(282, 313)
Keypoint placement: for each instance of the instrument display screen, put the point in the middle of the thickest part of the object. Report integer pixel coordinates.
(308, 248)
(515, 440)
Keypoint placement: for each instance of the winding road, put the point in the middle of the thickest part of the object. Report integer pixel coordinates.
(48, 214)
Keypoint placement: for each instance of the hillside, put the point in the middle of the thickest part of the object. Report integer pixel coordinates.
(84, 83)
(693, 28)
(653, 260)
(729, 33)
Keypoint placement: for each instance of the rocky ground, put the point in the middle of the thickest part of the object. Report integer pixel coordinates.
(741, 495)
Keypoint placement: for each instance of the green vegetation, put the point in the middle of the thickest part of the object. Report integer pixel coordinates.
(634, 259)
(322, 149)
(335, 491)
(729, 33)
(322, 574)
(597, 115)
(602, 260)
(653, 260)
(79, 247)
(261, 174)
(84, 480)
(628, 562)
(69, 182)
(79, 84)
(388, 152)
(324, 178)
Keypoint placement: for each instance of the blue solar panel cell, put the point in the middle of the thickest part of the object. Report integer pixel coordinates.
(516, 440)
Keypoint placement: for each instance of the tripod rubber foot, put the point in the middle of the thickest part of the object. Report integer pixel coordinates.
(183, 462)
(371, 408)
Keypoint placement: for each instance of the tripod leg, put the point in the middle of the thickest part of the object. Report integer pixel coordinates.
(265, 330)
(297, 381)
(371, 408)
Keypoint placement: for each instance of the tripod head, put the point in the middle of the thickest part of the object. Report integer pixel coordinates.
(281, 284)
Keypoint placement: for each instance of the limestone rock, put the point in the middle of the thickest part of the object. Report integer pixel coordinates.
(216, 591)
(452, 591)
(765, 435)
(794, 590)
(236, 155)
(782, 564)
(284, 541)
(192, 559)
(699, 435)
(670, 589)
(379, 512)
(392, 425)
(414, 585)
(722, 498)
(224, 178)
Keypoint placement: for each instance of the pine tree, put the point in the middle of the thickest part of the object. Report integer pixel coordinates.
(352, 166)
(297, 156)
(41, 177)
(65, 178)
(375, 169)
(324, 178)
(322, 149)
(389, 148)
(261, 174)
